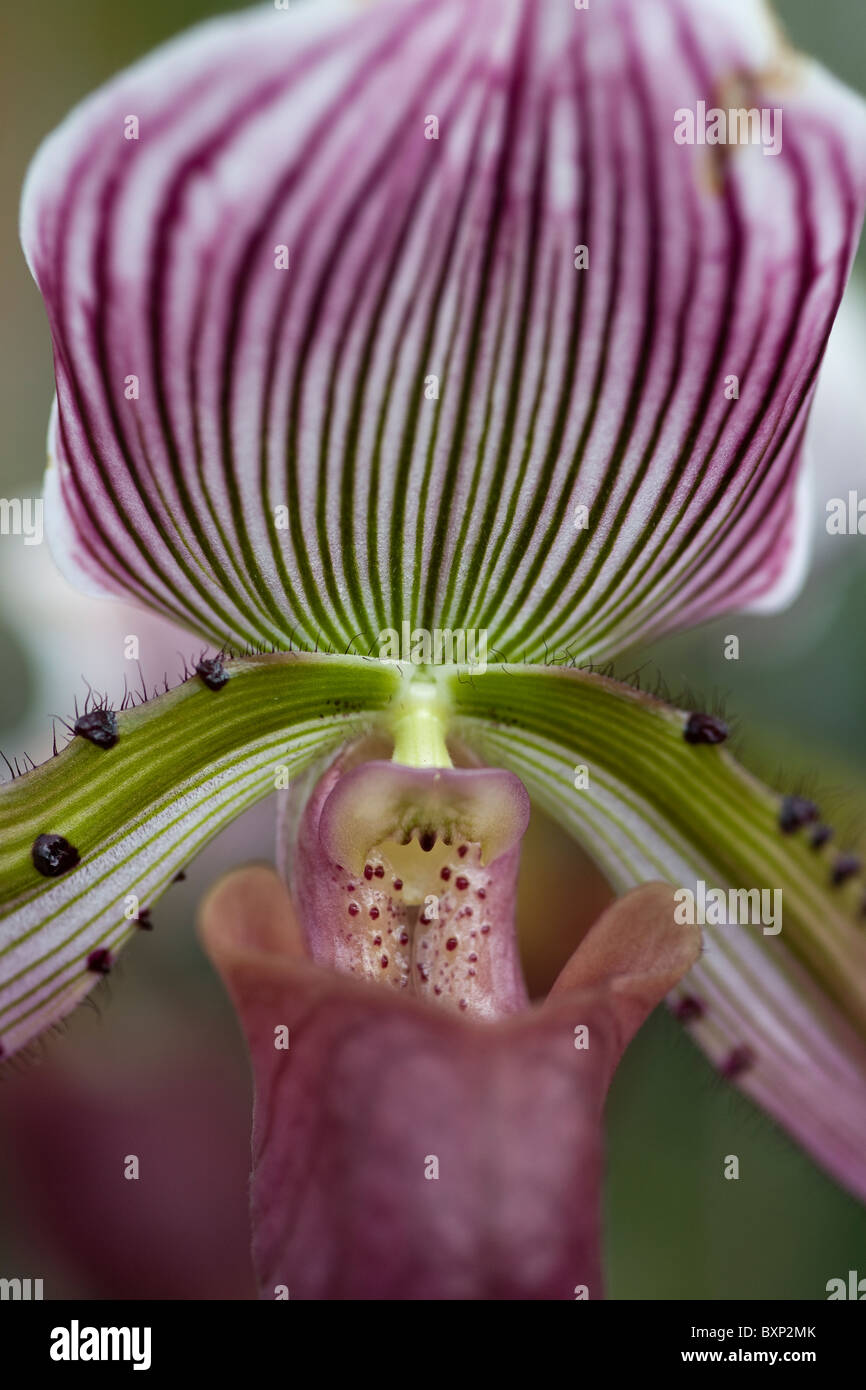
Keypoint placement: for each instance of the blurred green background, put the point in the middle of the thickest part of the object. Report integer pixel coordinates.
(675, 1227)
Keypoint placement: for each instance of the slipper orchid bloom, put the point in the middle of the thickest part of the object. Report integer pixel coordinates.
(400, 1152)
(418, 356)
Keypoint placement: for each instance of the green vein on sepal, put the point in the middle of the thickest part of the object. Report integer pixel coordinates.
(186, 763)
(701, 810)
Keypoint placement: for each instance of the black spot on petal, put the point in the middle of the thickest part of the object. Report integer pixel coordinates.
(738, 1060)
(99, 961)
(53, 855)
(820, 835)
(795, 812)
(211, 671)
(99, 727)
(705, 728)
(688, 1009)
(845, 867)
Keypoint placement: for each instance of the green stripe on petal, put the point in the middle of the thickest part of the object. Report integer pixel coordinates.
(783, 1014)
(185, 764)
(541, 370)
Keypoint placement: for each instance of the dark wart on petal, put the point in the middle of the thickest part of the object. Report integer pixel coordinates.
(211, 671)
(820, 835)
(738, 1060)
(53, 855)
(99, 961)
(705, 728)
(846, 866)
(688, 1009)
(99, 727)
(795, 812)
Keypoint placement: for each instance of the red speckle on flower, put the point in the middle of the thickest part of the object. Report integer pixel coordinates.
(463, 1004)
(445, 873)
(485, 928)
(451, 943)
(482, 893)
(437, 989)
(462, 850)
(377, 941)
(368, 871)
(398, 884)
(374, 912)
(353, 909)
(461, 881)
(379, 871)
(403, 938)
(472, 956)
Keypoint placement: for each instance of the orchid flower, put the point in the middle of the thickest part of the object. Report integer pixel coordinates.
(408, 356)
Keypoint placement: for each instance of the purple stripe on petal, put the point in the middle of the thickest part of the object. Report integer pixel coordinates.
(405, 421)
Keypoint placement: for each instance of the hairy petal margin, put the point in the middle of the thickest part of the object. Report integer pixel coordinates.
(780, 1010)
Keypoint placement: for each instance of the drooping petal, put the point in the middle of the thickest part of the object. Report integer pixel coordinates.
(408, 876)
(90, 840)
(778, 998)
(328, 358)
(402, 1152)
